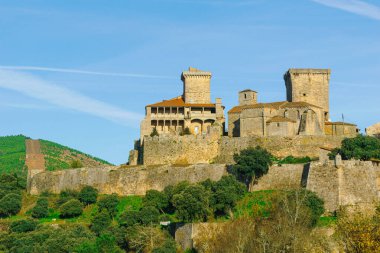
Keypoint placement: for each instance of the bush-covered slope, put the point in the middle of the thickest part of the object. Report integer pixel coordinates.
(57, 157)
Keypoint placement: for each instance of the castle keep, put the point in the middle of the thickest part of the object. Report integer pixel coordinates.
(193, 109)
(305, 112)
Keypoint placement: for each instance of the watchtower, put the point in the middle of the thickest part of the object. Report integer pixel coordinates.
(309, 85)
(196, 86)
(247, 97)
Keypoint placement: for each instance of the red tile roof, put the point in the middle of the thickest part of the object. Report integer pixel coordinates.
(178, 102)
(273, 105)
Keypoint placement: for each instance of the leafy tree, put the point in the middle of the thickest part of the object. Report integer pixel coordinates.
(129, 218)
(106, 243)
(156, 199)
(109, 203)
(192, 204)
(71, 208)
(360, 148)
(23, 226)
(225, 193)
(251, 163)
(149, 215)
(10, 204)
(154, 132)
(41, 209)
(100, 222)
(88, 195)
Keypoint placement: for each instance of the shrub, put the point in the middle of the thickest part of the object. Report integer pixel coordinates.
(251, 163)
(109, 203)
(76, 164)
(169, 246)
(66, 195)
(23, 226)
(186, 131)
(41, 209)
(10, 204)
(154, 132)
(100, 222)
(71, 208)
(88, 195)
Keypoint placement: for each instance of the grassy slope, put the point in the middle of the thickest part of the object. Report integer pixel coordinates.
(57, 157)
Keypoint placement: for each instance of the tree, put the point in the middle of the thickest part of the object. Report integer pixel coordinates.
(65, 196)
(10, 204)
(149, 215)
(145, 239)
(225, 193)
(100, 222)
(156, 199)
(360, 148)
(154, 132)
(71, 208)
(109, 203)
(41, 209)
(129, 218)
(251, 163)
(88, 195)
(192, 204)
(23, 226)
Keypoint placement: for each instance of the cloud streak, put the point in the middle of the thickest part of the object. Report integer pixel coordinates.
(354, 6)
(84, 72)
(34, 87)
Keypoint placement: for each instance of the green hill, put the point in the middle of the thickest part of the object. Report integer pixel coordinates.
(57, 157)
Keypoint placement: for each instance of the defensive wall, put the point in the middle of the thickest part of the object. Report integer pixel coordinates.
(123, 180)
(190, 149)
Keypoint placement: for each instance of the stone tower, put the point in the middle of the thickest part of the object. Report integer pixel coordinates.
(247, 97)
(196, 86)
(309, 85)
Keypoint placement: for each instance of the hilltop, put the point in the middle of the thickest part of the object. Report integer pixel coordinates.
(57, 156)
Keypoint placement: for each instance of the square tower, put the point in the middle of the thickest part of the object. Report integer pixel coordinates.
(247, 97)
(196, 86)
(309, 85)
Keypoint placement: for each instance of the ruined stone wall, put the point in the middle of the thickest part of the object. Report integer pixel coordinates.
(123, 180)
(352, 183)
(287, 176)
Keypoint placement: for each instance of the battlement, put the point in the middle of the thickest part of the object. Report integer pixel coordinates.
(307, 71)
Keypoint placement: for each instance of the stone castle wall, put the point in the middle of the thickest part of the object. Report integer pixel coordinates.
(123, 180)
(190, 149)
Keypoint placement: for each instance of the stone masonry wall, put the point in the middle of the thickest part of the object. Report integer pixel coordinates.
(208, 149)
(123, 180)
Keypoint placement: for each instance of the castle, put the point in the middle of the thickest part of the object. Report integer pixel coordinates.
(192, 110)
(305, 111)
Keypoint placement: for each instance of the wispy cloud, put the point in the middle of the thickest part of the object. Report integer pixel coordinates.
(84, 72)
(354, 6)
(40, 89)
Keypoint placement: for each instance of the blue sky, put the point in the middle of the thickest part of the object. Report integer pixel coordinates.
(80, 72)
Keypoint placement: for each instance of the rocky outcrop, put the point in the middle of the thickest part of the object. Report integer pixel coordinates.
(124, 180)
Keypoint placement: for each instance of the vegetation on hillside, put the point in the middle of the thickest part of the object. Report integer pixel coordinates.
(57, 157)
(12, 154)
(360, 147)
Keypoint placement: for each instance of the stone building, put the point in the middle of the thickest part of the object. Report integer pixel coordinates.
(373, 130)
(305, 112)
(193, 109)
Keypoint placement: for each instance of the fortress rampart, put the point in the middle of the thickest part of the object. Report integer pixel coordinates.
(190, 149)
